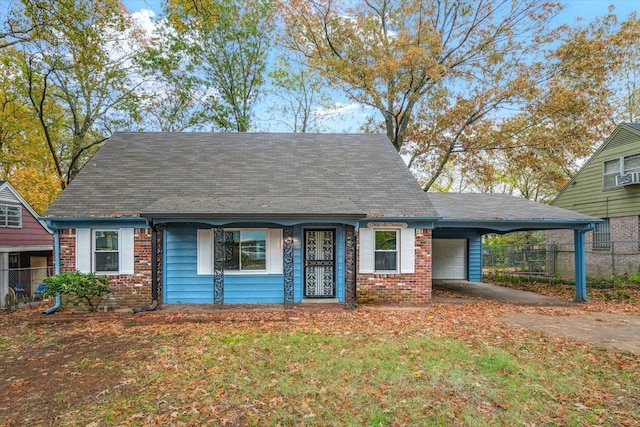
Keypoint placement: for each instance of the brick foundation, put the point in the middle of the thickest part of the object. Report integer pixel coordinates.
(400, 289)
(130, 290)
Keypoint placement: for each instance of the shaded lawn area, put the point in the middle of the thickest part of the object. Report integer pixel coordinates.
(447, 365)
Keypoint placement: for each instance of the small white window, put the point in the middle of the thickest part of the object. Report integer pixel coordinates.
(10, 216)
(106, 251)
(386, 250)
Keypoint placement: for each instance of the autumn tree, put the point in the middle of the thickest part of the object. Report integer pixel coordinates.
(74, 74)
(445, 75)
(394, 55)
(24, 158)
(14, 29)
(173, 98)
(227, 49)
(301, 99)
(626, 85)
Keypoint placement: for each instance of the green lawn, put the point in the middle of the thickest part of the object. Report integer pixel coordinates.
(451, 366)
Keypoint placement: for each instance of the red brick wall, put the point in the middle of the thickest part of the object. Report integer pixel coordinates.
(130, 290)
(400, 289)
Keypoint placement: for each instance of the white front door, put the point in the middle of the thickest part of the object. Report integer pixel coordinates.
(449, 259)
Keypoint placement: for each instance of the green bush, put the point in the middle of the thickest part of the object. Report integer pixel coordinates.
(79, 288)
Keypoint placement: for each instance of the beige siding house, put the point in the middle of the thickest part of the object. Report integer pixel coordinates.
(607, 187)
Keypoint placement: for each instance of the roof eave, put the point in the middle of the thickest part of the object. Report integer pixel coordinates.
(520, 225)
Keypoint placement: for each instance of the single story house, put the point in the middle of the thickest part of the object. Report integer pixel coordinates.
(228, 218)
(26, 244)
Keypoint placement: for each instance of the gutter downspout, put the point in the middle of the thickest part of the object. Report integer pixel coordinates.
(154, 273)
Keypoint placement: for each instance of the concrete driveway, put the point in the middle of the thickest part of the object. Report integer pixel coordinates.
(615, 331)
(464, 291)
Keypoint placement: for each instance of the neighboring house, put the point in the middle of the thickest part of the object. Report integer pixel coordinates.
(607, 187)
(228, 218)
(26, 244)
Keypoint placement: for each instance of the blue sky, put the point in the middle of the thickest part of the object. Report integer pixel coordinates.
(587, 9)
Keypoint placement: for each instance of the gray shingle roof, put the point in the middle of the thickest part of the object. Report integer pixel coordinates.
(636, 126)
(246, 174)
(499, 207)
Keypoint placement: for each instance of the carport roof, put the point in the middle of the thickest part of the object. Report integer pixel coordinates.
(502, 213)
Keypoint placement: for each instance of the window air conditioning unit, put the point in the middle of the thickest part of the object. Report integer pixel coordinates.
(628, 179)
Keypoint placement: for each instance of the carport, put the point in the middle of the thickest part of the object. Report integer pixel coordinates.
(466, 217)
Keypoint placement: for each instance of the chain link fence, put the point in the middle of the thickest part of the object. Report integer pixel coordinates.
(557, 260)
(29, 278)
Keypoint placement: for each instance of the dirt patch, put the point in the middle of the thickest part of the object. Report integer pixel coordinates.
(610, 330)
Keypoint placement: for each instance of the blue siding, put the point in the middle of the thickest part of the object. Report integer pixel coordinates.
(180, 281)
(474, 246)
(182, 284)
(253, 288)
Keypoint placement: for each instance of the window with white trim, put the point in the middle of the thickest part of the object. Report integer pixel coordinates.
(386, 250)
(620, 166)
(245, 251)
(10, 216)
(106, 251)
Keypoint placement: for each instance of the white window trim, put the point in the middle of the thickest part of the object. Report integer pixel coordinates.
(85, 251)
(396, 250)
(4, 218)
(273, 249)
(622, 169)
(405, 247)
(94, 250)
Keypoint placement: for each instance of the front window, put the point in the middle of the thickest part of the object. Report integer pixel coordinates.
(602, 235)
(386, 250)
(245, 250)
(106, 253)
(10, 216)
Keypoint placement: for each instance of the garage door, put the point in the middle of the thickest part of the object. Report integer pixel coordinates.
(450, 259)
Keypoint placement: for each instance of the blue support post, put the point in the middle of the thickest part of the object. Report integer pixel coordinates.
(580, 265)
(56, 251)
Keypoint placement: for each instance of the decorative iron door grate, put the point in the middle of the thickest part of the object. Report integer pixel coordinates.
(319, 264)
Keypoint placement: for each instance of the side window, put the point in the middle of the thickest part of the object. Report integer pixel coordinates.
(632, 164)
(602, 235)
(106, 251)
(386, 250)
(10, 216)
(610, 169)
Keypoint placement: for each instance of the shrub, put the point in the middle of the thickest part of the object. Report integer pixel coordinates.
(80, 288)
